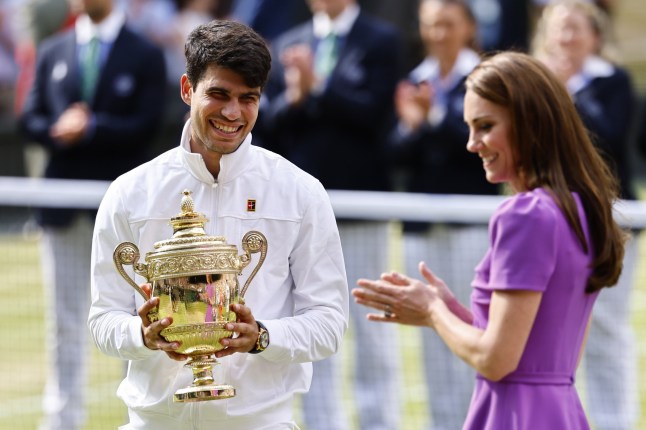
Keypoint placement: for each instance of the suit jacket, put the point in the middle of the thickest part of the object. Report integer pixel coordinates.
(608, 107)
(436, 157)
(127, 108)
(338, 135)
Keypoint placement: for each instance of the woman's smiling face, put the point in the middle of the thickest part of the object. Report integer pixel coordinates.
(490, 138)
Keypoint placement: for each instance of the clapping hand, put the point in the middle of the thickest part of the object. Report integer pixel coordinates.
(403, 299)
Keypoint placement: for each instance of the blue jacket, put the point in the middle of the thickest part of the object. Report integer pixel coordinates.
(339, 135)
(608, 107)
(127, 108)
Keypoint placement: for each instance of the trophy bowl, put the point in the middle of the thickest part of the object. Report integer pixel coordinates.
(195, 277)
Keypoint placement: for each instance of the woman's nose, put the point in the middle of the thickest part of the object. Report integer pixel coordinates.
(473, 145)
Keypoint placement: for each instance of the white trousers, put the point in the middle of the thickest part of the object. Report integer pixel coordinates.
(376, 386)
(610, 358)
(65, 254)
(452, 253)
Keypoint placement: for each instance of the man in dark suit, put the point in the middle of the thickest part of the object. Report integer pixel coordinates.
(329, 102)
(94, 106)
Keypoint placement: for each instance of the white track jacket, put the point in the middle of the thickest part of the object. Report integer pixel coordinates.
(300, 293)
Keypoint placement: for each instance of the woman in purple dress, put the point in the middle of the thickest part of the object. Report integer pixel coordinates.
(553, 246)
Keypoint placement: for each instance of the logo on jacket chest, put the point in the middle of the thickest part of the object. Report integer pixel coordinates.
(251, 205)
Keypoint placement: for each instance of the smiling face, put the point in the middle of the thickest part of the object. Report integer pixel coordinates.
(490, 138)
(223, 112)
(444, 28)
(570, 34)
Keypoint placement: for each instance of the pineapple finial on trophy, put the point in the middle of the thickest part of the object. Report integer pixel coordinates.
(187, 204)
(188, 222)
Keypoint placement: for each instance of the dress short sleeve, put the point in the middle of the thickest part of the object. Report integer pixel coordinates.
(523, 234)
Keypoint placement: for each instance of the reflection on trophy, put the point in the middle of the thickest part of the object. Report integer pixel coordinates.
(195, 277)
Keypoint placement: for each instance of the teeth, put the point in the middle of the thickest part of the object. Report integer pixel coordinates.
(488, 159)
(225, 128)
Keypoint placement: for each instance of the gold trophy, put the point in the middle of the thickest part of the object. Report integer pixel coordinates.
(195, 277)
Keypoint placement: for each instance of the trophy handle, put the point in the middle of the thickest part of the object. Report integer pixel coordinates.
(128, 253)
(252, 242)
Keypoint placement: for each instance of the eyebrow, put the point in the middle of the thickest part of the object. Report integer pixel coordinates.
(479, 118)
(215, 88)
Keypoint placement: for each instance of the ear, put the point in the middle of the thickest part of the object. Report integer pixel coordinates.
(186, 90)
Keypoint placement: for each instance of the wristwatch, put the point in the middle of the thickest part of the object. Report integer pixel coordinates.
(263, 339)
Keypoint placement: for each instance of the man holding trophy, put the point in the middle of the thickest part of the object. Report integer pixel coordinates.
(294, 312)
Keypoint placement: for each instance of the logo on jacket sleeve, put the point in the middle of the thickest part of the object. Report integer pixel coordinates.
(251, 205)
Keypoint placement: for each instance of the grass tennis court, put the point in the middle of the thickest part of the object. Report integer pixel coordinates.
(22, 369)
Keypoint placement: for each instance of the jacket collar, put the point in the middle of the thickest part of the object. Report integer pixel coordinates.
(429, 69)
(593, 67)
(107, 30)
(340, 26)
(231, 165)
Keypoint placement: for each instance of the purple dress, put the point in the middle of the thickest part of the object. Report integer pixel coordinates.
(532, 247)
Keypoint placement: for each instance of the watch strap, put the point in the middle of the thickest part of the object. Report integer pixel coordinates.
(262, 332)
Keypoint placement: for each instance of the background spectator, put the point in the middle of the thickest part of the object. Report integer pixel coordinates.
(270, 18)
(429, 145)
(329, 105)
(94, 106)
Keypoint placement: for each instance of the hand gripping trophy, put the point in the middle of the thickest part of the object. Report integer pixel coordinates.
(195, 277)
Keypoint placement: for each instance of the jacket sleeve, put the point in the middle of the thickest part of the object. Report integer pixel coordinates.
(113, 320)
(35, 119)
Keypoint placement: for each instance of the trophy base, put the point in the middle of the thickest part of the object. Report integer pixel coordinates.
(204, 392)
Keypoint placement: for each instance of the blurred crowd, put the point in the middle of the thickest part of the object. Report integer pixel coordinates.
(501, 24)
(166, 23)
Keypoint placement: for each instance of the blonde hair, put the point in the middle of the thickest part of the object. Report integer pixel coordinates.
(598, 20)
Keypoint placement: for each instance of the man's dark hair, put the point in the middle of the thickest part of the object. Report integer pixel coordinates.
(230, 45)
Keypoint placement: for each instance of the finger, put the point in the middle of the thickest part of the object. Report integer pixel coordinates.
(147, 288)
(153, 336)
(378, 286)
(241, 310)
(176, 356)
(230, 351)
(382, 318)
(241, 344)
(242, 328)
(364, 294)
(373, 298)
(374, 304)
(145, 309)
(244, 343)
(396, 278)
(428, 274)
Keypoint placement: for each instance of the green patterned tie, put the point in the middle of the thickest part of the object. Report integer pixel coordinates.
(90, 69)
(326, 56)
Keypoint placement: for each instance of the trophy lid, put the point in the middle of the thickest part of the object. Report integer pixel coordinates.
(188, 230)
(190, 252)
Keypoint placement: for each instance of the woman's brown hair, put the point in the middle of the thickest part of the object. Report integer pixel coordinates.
(555, 152)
